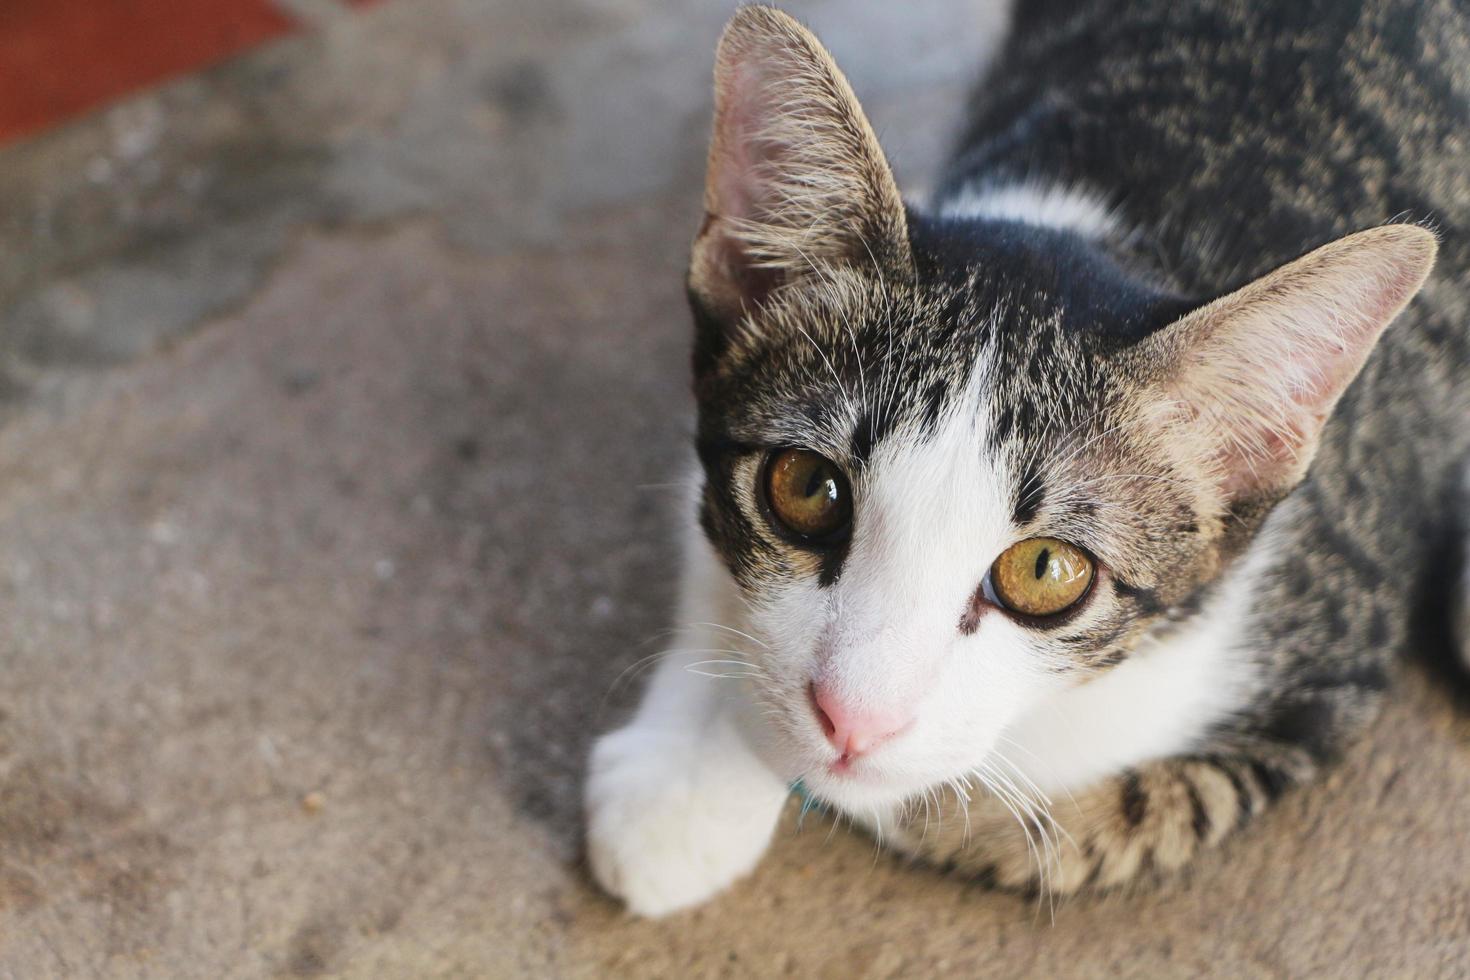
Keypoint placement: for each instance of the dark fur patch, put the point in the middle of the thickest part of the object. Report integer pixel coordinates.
(873, 426)
(1030, 495)
(987, 876)
(979, 605)
(1146, 600)
(1199, 818)
(1005, 424)
(1133, 799)
(864, 437)
(934, 399)
(1310, 722)
(1273, 781)
(829, 564)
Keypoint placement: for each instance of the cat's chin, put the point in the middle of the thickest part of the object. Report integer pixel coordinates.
(863, 793)
(870, 786)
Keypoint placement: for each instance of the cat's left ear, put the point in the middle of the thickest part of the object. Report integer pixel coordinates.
(796, 181)
(1250, 380)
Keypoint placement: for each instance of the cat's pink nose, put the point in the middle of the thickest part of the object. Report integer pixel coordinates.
(854, 731)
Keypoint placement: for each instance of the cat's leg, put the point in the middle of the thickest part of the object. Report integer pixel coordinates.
(678, 804)
(1154, 818)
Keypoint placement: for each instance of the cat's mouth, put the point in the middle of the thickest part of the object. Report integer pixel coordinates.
(854, 785)
(852, 767)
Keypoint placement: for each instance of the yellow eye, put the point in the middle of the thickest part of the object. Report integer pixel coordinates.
(808, 494)
(1040, 576)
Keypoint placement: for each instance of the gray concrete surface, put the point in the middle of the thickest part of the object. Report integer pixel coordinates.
(338, 388)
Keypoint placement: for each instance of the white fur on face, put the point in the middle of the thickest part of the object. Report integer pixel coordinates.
(936, 515)
(1161, 701)
(931, 515)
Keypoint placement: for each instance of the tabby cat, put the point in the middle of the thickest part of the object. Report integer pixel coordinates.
(1092, 496)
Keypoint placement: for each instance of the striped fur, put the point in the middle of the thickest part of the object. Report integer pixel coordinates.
(1136, 317)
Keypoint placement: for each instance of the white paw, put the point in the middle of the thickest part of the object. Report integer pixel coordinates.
(674, 817)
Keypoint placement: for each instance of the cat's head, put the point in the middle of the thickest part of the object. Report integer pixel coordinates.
(954, 468)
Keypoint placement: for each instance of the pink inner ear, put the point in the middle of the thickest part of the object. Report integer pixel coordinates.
(734, 170)
(741, 168)
(1269, 363)
(746, 149)
(1271, 451)
(1272, 420)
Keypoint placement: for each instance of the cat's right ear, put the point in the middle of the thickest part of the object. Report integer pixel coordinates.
(1249, 381)
(797, 182)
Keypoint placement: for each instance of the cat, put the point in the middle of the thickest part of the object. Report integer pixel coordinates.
(1086, 504)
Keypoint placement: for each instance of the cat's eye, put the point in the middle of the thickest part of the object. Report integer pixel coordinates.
(808, 495)
(1041, 577)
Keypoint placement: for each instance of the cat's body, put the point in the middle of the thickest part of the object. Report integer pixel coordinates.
(1034, 356)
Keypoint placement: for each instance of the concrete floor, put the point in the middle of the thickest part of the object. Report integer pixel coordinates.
(337, 390)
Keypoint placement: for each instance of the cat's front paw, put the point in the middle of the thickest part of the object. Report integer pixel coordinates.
(673, 818)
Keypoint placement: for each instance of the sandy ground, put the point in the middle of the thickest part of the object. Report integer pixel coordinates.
(342, 387)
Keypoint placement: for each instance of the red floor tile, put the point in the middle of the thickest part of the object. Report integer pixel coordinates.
(61, 57)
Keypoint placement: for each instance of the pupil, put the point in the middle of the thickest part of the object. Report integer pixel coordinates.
(1041, 562)
(814, 483)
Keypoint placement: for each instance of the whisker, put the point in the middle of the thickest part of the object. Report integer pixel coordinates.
(731, 629)
(638, 666)
(1014, 806)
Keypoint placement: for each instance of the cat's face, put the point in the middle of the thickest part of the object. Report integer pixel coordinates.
(943, 423)
(953, 468)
